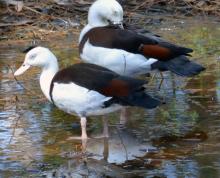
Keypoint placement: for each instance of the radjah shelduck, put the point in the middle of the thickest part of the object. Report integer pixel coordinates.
(85, 89)
(126, 51)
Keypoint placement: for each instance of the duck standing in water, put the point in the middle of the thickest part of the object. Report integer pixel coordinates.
(85, 89)
(104, 41)
(127, 52)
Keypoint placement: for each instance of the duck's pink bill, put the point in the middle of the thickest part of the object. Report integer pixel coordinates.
(22, 69)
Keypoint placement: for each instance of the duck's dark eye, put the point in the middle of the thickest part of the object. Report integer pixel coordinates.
(115, 13)
(32, 56)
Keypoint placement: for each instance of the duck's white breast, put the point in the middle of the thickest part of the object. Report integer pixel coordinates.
(75, 99)
(117, 60)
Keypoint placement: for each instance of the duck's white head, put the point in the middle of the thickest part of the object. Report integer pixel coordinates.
(105, 12)
(40, 57)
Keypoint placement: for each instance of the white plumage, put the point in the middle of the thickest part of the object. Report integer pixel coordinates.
(74, 99)
(117, 60)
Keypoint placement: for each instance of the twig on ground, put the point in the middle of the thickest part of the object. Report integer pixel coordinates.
(18, 81)
(14, 128)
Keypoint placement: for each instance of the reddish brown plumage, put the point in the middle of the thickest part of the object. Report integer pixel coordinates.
(156, 51)
(117, 88)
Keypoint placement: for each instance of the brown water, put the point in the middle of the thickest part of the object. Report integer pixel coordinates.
(179, 139)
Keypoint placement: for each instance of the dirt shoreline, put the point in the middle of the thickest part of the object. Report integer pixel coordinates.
(41, 21)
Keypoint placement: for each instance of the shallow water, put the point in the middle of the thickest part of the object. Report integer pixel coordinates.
(179, 139)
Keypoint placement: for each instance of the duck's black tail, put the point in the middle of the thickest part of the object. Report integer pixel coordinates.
(137, 98)
(142, 99)
(180, 65)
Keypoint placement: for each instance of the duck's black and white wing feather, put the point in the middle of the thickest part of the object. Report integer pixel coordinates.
(114, 89)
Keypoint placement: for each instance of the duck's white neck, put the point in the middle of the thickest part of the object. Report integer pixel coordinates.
(94, 20)
(84, 31)
(46, 77)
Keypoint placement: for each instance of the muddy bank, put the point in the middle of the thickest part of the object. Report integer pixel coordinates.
(38, 21)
